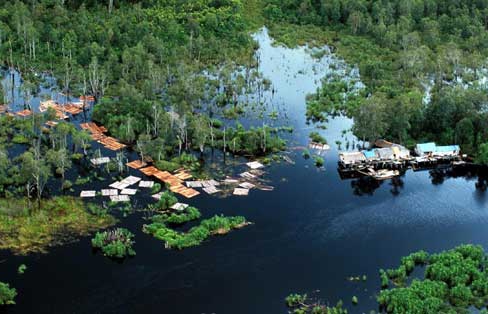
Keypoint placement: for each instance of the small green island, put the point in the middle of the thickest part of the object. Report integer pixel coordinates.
(116, 243)
(163, 218)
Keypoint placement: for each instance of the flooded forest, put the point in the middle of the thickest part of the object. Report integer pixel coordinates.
(228, 156)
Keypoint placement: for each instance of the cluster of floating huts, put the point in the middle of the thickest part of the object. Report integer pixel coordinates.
(393, 157)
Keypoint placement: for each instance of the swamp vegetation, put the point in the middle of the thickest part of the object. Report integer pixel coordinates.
(451, 281)
(116, 243)
(163, 218)
(172, 78)
(217, 225)
(58, 220)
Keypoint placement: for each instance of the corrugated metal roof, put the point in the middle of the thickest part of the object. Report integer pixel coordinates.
(447, 148)
(369, 153)
(349, 157)
(426, 147)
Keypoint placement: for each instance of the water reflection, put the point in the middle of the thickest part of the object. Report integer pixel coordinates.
(363, 185)
(396, 185)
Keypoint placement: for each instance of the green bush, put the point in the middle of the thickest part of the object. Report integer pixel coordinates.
(167, 200)
(7, 294)
(20, 139)
(156, 188)
(317, 138)
(167, 165)
(115, 243)
(22, 268)
(189, 214)
(319, 161)
(196, 235)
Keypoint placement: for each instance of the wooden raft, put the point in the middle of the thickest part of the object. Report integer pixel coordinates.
(175, 183)
(97, 134)
(136, 164)
(87, 98)
(24, 113)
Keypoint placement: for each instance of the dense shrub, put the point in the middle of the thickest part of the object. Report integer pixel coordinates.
(7, 294)
(115, 243)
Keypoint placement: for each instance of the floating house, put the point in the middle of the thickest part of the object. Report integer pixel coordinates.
(425, 149)
(431, 149)
(351, 158)
(371, 154)
(447, 151)
(386, 155)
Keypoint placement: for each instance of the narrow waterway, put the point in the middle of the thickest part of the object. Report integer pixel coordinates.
(311, 233)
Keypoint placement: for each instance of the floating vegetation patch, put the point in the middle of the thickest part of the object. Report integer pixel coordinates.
(217, 225)
(319, 161)
(115, 243)
(317, 138)
(58, 221)
(22, 268)
(303, 304)
(7, 294)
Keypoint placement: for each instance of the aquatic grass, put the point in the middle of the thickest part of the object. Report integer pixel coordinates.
(304, 304)
(58, 220)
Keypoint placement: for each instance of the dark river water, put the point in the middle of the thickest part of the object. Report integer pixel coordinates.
(311, 233)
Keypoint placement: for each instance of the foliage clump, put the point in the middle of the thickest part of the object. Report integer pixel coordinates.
(115, 243)
(177, 218)
(304, 304)
(167, 200)
(319, 161)
(317, 138)
(196, 235)
(453, 281)
(7, 294)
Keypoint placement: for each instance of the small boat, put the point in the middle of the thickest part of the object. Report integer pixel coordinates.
(458, 162)
(384, 174)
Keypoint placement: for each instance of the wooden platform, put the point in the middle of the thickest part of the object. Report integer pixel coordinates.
(24, 113)
(175, 183)
(97, 134)
(60, 110)
(87, 98)
(136, 164)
